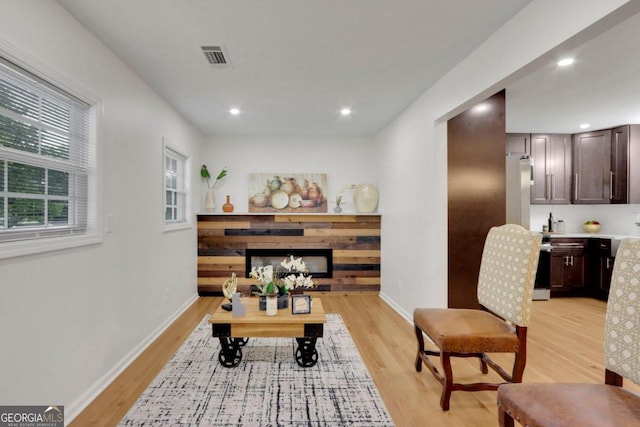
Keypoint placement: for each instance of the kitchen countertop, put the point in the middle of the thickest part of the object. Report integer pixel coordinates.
(588, 235)
(615, 239)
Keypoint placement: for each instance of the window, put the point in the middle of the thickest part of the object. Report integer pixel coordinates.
(46, 170)
(175, 199)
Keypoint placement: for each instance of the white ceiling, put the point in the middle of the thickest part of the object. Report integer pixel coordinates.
(601, 88)
(295, 63)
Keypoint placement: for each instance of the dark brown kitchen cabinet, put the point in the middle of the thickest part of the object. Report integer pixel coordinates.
(619, 165)
(625, 164)
(551, 167)
(591, 167)
(518, 143)
(602, 264)
(567, 266)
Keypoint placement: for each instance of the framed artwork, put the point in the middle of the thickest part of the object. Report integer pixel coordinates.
(300, 304)
(288, 193)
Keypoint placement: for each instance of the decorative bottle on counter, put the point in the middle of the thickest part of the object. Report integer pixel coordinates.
(550, 222)
(227, 207)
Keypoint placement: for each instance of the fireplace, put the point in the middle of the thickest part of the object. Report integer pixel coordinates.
(319, 262)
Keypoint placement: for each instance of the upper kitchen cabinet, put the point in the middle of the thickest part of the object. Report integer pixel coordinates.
(619, 165)
(518, 143)
(591, 167)
(551, 165)
(625, 164)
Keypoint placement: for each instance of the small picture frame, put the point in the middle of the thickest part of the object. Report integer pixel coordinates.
(300, 304)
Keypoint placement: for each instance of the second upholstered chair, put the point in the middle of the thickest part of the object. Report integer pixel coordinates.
(592, 405)
(505, 288)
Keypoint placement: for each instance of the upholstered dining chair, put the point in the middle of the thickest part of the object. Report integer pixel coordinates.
(590, 405)
(505, 288)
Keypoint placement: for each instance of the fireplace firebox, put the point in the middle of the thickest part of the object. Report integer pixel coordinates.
(319, 262)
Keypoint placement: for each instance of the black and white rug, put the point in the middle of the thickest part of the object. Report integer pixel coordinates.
(268, 388)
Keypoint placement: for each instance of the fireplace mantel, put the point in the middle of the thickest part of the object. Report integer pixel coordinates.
(354, 240)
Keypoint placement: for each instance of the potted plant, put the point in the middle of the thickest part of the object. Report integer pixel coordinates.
(209, 198)
(339, 201)
(290, 275)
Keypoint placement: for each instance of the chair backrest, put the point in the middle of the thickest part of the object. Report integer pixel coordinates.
(508, 272)
(622, 328)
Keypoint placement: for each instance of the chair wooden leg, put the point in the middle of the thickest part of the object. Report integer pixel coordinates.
(504, 419)
(447, 385)
(483, 366)
(521, 355)
(612, 378)
(420, 348)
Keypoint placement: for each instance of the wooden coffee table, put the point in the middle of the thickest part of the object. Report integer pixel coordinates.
(234, 332)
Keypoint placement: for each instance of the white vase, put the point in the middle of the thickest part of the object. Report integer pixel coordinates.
(365, 198)
(209, 201)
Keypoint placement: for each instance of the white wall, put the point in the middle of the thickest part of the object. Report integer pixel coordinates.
(70, 319)
(414, 174)
(615, 219)
(66, 329)
(344, 160)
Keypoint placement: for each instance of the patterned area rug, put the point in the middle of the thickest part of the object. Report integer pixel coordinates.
(268, 388)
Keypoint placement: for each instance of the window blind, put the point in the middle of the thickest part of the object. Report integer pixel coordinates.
(45, 165)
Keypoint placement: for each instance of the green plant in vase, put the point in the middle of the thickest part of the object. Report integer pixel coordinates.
(209, 198)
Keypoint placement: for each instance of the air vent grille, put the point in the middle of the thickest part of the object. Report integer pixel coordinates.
(215, 55)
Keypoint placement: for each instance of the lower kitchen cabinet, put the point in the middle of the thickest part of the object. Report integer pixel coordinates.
(602, 267)
(567, 266)
(580, 267)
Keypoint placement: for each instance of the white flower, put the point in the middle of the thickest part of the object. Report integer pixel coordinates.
(290, 281)
(265, 275)
(294, 264)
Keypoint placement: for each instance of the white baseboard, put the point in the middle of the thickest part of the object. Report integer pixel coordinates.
(74, 409)
(406, 316)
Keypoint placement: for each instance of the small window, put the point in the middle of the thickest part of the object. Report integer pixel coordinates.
(175, 183)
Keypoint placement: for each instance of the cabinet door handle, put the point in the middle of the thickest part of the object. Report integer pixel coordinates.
(553, 187)
(611, 185)
(608, 263)
(547, 185)
(571, 260)
(575, 187)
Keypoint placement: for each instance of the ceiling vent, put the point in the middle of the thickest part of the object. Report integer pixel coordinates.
(216, 56)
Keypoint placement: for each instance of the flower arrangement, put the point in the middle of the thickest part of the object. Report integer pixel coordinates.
(292, 273)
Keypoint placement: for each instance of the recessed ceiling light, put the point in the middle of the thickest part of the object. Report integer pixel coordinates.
(584, 125)
(565, 61)
(234, 111)
(345, 111)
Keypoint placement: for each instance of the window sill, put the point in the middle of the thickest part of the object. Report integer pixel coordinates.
(36, 246)
(177, 226)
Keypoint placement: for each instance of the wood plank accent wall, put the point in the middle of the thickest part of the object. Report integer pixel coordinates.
(354, 240)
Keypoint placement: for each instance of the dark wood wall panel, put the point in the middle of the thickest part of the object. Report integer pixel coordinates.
(354, 240)
(476, 193)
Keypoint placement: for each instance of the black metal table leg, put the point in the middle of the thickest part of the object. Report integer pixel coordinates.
(306, 353)
(230, 352)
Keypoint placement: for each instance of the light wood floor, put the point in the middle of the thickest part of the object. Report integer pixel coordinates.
(564, 344)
